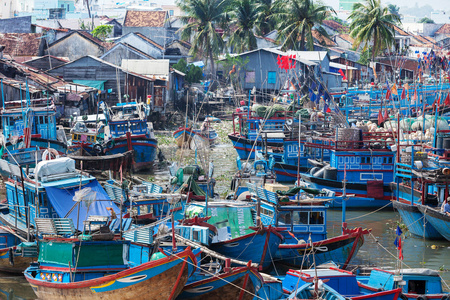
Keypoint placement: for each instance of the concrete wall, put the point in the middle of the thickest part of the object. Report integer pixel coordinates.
(120, 52)
(15, 25)
(156, 34)
(421, 28)
(142, 45)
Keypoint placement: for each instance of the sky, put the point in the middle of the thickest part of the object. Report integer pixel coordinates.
(436, 4)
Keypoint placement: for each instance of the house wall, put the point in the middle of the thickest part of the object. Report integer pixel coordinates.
(74, 47)
(44, 63)
(421, 28)
(15, 25)
(343, 43)
(116, 55)
(91, 69)
(142, 45)
(156, 34)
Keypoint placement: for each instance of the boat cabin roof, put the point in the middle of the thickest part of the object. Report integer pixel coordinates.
(415, 271)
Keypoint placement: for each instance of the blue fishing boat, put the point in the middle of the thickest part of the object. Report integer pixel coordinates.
(53, 189)
(415, 284)
(309, 291)
(367, 167)
(32, 123)
(305, 221)
(416, 184)
(195, 138)
(248, 139)
(71, 268)
(129, 130)
(236, 234)
(343, 282)
(439, 220)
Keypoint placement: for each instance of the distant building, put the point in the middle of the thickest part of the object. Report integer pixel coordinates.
(440, 16)
(52, 9)
(8, 9)
(347, 4)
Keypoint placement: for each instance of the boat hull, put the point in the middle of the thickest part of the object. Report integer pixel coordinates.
(144, 150)
(258, 247)
(439, 221)
(17, 264)
(160, 279)
(219, 287)
(186, 137)
(339, 249)
(414, 221)
(288, 173)
(247, 148)
(359, 197)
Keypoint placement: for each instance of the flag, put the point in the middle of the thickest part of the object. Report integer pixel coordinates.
(388, 94)
(326, 109)
(403, 96)
(398, 231)
(394, 90)
(342, 74)
(447, 100)
(380, 117)
(386, 115)
(415, 96)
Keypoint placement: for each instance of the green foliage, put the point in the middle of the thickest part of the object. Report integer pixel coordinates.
(102, 31)
(243, 20)
(265, 21)
(364, 59)
(296, 19)
(84, 26)
(193, 73)
(426, 20)
(372, 22)
(394, 9)
(201, 19)
(336, 19)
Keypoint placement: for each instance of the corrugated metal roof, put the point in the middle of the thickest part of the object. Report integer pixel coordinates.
(156, 67)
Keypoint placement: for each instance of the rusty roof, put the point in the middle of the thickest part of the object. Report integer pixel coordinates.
(445, 29)
(346, 37)
(322, 39)
(400, 31)
(21, 44)
(335, 25)
(149, 18)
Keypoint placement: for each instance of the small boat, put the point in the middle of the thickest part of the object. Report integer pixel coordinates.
(439, 220)
(71, 268)
(235, 283)
(309, 291)
(195, 138)
(15, 256)
(343, 282)
(415, 284)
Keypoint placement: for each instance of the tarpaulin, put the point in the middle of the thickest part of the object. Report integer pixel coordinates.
(62, 201)
(96, 84)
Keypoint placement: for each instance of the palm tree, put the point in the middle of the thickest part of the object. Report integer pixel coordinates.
(244, 17)
(201, 21)
(296, 20)
(265, 23)
(372, 23)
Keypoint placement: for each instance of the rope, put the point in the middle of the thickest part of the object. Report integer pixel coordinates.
(384, 248)
(370, 212)
(215, 276)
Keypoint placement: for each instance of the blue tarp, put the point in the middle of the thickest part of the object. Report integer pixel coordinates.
(62, 201)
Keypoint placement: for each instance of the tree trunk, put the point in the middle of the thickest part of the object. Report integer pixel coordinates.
(302, 40)
(213, 69)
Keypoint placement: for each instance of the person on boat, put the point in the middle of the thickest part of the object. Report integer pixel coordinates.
(445, 208)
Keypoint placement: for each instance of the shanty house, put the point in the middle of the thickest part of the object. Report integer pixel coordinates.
(121, 51)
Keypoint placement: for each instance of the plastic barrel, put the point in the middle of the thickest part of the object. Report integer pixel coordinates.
(330, 173)
(446, 143)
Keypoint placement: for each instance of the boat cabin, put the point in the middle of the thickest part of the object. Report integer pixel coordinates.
(40, 113)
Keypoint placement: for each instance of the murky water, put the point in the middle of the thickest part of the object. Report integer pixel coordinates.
(378, 248)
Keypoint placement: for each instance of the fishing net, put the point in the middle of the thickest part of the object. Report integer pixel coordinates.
(86, 195)
(269, 111)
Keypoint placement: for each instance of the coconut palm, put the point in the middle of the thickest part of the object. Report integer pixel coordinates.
(201, 21)
(265, 23)
(372, 23)
(296, 20)
(244, 17)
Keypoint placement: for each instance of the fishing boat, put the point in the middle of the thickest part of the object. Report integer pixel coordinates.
(418, 182)
(310, 291)
(367, 165)
(195, 138)
(343, 282)
(419, 283)
(439, 220)
(235, 283)
(15, 253)
(53, 189)
(73, 268)
(305, 221)
(32, 123)
(127, 129)
(235, 234)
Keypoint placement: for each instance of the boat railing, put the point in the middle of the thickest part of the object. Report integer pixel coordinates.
(55, 226)
(262, 193)
(344, 145)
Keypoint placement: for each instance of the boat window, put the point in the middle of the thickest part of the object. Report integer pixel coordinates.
(363, 160)
(417, 286)
(284, 218)
(43, 200)
(368, 159)
(301, 217)
(266, 212)
(316, 217)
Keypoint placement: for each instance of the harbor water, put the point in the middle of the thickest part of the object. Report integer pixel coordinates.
(378, 249)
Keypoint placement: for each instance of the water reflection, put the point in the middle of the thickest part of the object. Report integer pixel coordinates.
(15, 288)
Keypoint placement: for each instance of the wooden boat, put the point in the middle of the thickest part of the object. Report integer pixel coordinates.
(440, 221)
(74, 269)
(307, 291)
(415, 284)
(113, 162)
(195, 138)
(237, 283)
(343, 282)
